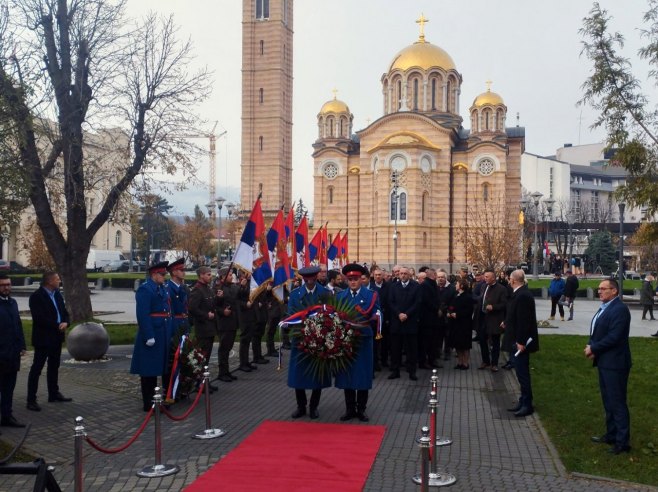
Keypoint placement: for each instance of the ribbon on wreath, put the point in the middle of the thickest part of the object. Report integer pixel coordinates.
(175, 372)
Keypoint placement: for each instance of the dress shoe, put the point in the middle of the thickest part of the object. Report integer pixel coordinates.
(551, 317)
(225, 378)
(515, 408)
(413, 377)
(212, 388)
(466, 367)
(507, 365)
(494, 368)
(523, 412)
(10, 422)
(348, 416)
(362, 416)
(458, 366)
(483, 366)
(394, 375)
(59, 397)
(253, 366)
(34, 406)
(602, 440)
(272, 353)
(300, 412)
(313, 413)
(244, 368)
(232, 376)
(617, 449)
(262, 360)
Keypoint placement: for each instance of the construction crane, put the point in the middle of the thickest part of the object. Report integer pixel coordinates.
(212, 137)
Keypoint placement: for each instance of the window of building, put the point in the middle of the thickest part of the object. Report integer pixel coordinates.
(285, 12)
(448, 96)
(117, 239)
(260, 95)
(399, 87)
(262, 9)
(550, 182)
(330, 127)
(485, 192)
(262, 47)
(260, 143)
(415, 94)
(330, 194)
(433, 93)
(423, 206)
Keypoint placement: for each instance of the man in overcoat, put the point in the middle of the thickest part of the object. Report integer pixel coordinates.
(404, 306)
(491, 305)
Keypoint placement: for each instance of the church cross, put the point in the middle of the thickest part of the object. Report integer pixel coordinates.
(488, 82)
(334, 91)
(422, 21)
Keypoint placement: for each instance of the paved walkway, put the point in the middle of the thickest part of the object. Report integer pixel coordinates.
(492, 450)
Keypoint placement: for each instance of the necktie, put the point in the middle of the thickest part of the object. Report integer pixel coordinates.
(353, 294)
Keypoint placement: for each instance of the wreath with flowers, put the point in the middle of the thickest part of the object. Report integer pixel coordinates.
(187, 362)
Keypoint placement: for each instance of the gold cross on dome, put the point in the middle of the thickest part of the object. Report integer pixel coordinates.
(422, 21)
(335, 92)
(488, 82)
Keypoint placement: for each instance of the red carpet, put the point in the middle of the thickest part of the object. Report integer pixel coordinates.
(297, 456)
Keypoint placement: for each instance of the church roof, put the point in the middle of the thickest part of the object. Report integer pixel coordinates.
(423, 55)
(334, 106)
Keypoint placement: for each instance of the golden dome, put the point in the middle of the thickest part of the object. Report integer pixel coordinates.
(334, 106)
(488, 99)
(423, 55)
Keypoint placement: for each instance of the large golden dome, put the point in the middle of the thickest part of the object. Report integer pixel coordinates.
(334, 106)
(488, 99)
(423, 55)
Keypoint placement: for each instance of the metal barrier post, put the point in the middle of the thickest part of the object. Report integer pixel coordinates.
(440, 440)
(79, 437)
(209, 432)
(157, 470)
(424, 443)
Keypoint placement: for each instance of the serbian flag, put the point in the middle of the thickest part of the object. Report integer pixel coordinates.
(314, 246)
(333, 260)
(301, 258)
(343, 250)
(252, 255)
(290, 236)
(276, 244)
(324, 244)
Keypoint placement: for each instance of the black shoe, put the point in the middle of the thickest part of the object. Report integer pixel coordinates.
(602, 440)
(244, 368)
(362, 416)
(253, 366)
(515, 408)
(59, 397)
(617, 449)
(225, 378)
(458, 366)
(272, 353)
(262, 360)
(413, 377)
(524, 412)
(300, 412)
(394, 375)
(348, 416)
(212, 388)
(34, 406)
(10, 422)
(313, 413)
(234, 378)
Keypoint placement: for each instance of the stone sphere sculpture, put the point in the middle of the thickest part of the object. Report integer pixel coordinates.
(88, 341)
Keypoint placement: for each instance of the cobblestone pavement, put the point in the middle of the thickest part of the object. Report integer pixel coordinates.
(491, 449)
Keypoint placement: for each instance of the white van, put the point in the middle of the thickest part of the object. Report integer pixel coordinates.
(98, 258)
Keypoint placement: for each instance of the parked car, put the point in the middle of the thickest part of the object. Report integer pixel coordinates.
(4, 266)
(117, 266)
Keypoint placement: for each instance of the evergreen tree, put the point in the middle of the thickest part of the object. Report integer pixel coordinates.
(602, 252)
(300, 211)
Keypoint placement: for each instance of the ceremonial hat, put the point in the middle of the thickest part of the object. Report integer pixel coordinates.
(354, 269)
(159, 267)
(179, 264)
(309, 271)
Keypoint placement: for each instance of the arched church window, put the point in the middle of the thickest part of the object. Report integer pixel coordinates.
(424, 240)
(399, 94)
(485, 192)
(448, 96)
(487, 117)
(330, 194)
(341, 128)
(117, 239)
(260, 95)
(415, 94)
(260, 143)
(398, 205)
(262, 47)
(433, 93)
(423, 206)
(403, 206)
(330, 127)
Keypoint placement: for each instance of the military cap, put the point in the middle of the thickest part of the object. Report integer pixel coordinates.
(309, 271)
(179, 264)
(353, 269)
(159, 267)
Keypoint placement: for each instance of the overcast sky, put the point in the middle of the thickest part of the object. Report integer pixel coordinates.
(529, 49)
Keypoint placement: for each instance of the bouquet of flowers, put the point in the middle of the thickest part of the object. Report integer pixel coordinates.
(189, 359)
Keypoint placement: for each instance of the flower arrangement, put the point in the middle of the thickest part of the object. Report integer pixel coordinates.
(191, 360)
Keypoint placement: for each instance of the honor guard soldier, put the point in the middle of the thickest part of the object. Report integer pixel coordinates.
(356, 380)
(228, 297)
(299, 373)
(151, 351)
(202, 313)
(179, 295)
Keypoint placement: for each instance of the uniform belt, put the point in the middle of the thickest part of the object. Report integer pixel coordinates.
(180, 316)
(159, 315)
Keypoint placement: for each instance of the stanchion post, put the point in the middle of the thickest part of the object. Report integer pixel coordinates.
(157, 470)
(79, 437)
(424, 477)
(439, 440)
(209, 432)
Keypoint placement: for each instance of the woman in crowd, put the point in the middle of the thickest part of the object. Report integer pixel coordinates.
(460, 322)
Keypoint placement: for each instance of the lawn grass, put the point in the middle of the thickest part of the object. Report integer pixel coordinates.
(123, 334)
(567, 397)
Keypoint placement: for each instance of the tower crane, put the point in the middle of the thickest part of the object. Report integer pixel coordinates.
(212, 137)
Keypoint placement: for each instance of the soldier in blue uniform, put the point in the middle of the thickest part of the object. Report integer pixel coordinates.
(178, 296)
(151, 351)
(299, 377)
(357, 379)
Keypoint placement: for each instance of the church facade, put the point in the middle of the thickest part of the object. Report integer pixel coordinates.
(406, 187)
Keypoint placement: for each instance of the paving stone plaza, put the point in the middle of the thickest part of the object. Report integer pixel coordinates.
(492, 450)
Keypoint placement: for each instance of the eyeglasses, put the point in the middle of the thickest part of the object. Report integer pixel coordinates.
(605, 288)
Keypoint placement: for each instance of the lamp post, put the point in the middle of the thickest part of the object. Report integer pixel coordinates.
(394, 198)
(5, 237)
(536, 196)
(230, 210)
(570, 220)
(211, 209)
(548, 202)
(622, 207)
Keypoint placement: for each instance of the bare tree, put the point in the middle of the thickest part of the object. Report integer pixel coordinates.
(80, 65)
(491, 234)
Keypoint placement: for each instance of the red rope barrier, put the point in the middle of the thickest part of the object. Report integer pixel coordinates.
(97, 447)
(189, 410)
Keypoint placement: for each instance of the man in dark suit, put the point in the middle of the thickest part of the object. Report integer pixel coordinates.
(520, 327)
(492, 306)
(609, 350)
(49, 322)
(404, 305)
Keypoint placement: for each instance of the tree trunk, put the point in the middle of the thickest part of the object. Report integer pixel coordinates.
(73, 272)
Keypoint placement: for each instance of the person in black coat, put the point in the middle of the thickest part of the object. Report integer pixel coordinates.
(49, 322)
(520, 327)
(12, 348)
(404, 305)
(570, 288)
(459, 313)
(610, 352)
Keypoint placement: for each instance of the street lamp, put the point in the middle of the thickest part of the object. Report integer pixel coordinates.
(211, 208)
(622, 207)
(230, 210)
(548, 203)
(394, 198)
(570, 220)
(536, 196)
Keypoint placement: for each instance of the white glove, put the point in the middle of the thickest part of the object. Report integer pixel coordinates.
(150, 342)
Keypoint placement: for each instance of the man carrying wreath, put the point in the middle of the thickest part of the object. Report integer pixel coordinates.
(356, 379)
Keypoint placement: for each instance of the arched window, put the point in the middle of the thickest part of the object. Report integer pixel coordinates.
(330, 193)
(423, 206)
(415, 94)
(341, 128)
(433, 93)
(262, 47)
(487, 117)
(260, 143)
(117, 239)
(399, 94)
(398, 205)
(330, 126)
(448, 96)
(485, 192)
(260, 95)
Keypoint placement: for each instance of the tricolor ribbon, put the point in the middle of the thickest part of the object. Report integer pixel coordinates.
(175, 370)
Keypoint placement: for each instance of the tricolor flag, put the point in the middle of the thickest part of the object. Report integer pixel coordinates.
(333, 259)
(324, 244)
(290, 237)
(314, 246)
(343, 251)
(252, 255)
(301, 258)
(276, 244)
